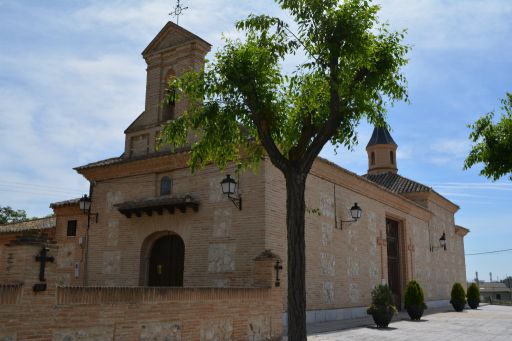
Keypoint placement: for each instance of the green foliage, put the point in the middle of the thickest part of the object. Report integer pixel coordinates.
(242, 104)
(473, 292)
(414, 295)
(382, 300)
(458, 293)
(9, 215)
(493, 143)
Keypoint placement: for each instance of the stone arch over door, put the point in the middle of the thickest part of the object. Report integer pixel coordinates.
(162, 260)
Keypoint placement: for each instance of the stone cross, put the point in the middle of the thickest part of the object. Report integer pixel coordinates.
(381, 241)
(411, 250)
(43, 258)
(278, 267)
(178, 10)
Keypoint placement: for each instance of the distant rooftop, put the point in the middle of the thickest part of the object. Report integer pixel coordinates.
(29, 225)
(69, 202)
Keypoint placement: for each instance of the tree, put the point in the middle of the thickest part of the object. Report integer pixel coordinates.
(507, 281)
(8, 215)
(242, 106)
(493, 143)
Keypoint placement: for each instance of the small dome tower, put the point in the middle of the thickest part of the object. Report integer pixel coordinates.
(381, 152)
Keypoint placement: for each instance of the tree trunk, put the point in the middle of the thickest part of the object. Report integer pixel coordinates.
(295, 224)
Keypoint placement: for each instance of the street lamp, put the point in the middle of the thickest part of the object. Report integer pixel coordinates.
(229, 188)
(442, 243)
(355, 213)
(85, 207)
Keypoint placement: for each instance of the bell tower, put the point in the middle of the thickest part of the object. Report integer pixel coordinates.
(381, 151)
(171, 53)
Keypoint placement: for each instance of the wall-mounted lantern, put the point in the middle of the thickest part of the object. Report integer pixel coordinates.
(355, 213)
(85, 207)
(442, 243)
(229, 188)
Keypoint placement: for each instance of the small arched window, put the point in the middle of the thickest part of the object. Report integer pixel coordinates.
(372, 158)
(392, 157)
(165, 186)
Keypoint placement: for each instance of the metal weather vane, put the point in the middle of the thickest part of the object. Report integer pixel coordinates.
(178, 10)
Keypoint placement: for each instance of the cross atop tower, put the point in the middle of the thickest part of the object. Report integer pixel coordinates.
(178, 10)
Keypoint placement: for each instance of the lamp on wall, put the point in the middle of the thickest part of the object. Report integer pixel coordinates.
(355, 213)
(442, 243)
(229, 188)
(85, 207)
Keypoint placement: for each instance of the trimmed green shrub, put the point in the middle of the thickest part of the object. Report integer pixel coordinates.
(414, 295)
(473, 292)
(382, 300)
(458, 300)
(458, 293)
(473, 296)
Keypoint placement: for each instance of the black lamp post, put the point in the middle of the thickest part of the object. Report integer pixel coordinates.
(355, 213)
(85, 207)
(442, 241)
(229, 188)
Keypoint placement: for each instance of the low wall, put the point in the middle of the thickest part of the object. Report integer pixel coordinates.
(143, 313)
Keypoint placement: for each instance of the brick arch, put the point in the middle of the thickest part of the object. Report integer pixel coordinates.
(167, 111)
(145, 253)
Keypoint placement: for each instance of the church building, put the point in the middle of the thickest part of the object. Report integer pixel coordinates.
(154, 252)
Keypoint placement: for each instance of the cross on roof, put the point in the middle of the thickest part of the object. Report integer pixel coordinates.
(178, 10)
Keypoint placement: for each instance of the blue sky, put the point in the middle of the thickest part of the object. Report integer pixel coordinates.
(72, 79)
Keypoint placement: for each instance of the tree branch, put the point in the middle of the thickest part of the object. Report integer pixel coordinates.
(264, 133)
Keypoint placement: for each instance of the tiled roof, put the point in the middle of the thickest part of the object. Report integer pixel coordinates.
(105, 162)
(122, 159)
(158, 204)
(397, 183)
(34, 224)
(381, 136)
(493, 287)
(69, 202)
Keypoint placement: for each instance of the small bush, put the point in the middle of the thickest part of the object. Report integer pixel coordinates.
(458, 293)
(382, 300)
(414, 295)
(473, 293)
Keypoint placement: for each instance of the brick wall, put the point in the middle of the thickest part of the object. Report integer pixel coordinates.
(342, 266)
(134, 313)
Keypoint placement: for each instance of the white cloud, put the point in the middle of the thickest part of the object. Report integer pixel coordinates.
(448, 151)
(71, 111)
(473, 24)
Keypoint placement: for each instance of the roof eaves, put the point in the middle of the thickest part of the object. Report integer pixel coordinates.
(373, 183)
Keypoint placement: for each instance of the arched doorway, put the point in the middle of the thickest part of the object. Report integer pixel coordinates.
(166, 262)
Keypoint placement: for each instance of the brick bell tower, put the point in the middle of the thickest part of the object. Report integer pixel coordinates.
(381, 151)
(171, 53)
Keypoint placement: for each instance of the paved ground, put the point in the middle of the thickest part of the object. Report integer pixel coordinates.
(488, 322)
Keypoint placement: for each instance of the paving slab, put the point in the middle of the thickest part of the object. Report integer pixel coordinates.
(489, 322)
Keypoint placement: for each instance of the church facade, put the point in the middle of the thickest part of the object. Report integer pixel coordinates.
(154, 228)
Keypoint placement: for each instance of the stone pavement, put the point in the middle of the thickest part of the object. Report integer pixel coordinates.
(489, 322)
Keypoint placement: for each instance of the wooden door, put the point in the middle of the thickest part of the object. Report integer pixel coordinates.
(166, 262)
(394, 273)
